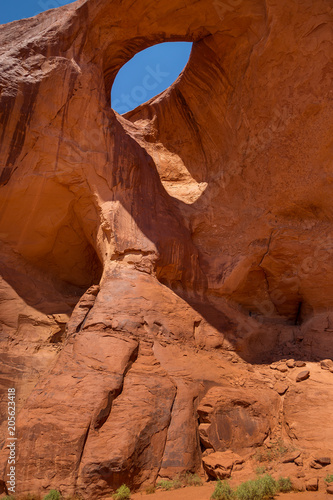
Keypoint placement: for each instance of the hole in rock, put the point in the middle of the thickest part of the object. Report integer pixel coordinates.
(147, 74)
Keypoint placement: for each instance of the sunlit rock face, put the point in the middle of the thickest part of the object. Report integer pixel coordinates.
(142, 254)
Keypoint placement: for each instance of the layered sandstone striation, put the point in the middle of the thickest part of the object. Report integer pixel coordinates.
(154, 264)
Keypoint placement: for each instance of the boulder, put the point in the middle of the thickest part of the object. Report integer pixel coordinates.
(297, 484)
(290, 457)
(312, 484)
(219, 465)
(326, 364)
(283, 368)
(234, 418)
(322, 460)
(310, 425)
(281, 387)
(304, 375)
(291, 363)
(315, 465)
(204, 436)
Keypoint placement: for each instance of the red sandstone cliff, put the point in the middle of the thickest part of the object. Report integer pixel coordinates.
(142, 254)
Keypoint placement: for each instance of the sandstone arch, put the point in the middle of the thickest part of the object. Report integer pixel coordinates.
(192, 227)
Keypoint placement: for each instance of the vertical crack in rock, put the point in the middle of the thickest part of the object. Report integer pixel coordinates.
(298, 318)
(268, 248)
(133, 358)
(168, 426)
(85, 439)
(82, 309)
(264, 271)
(104, 412)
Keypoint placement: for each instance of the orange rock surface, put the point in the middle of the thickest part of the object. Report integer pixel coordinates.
(158, 262)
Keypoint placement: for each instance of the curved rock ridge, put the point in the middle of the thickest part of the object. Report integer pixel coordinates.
(154, 264)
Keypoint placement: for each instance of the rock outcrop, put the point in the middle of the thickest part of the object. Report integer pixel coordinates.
(154, 264)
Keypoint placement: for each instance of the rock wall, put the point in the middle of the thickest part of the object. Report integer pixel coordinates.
(158, 260)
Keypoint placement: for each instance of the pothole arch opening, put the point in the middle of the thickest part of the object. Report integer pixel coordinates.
(148, 73)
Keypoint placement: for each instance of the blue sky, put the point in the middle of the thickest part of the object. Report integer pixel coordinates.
(13, 10)
(147, 74)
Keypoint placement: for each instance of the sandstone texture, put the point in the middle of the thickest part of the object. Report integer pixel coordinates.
(155, 266)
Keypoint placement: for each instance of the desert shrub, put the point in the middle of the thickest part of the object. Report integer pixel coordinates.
(282, 448)
(189, 479)
(260, 470)
(266, 455)
(275, 451)
(329, 478)
(122, 493)
(150, 489)
(222, 491)
(176, 483)
(53, 495)
(262, 488)
(248, 491)
(184, 479)
(267, 486)
(284, 484)
(8, 497)
(168, 484)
